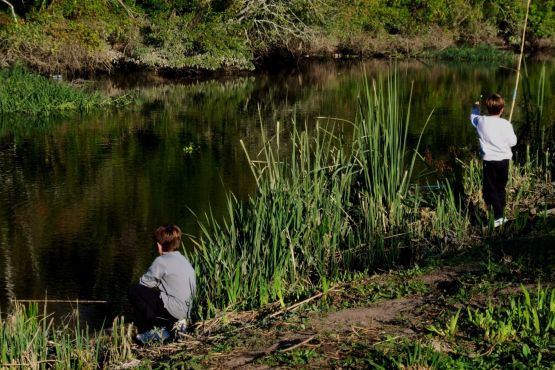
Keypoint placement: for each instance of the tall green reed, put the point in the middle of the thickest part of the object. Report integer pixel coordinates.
(287, 236)
(323, 207)
(31, 339)
(534, 131)
(385, 163)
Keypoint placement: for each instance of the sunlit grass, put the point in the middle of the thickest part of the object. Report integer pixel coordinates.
(26, 93)
(322, 209)
(30, 339)
(327, 206)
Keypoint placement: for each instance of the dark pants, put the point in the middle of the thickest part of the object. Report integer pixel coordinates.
(496, 175)
(149, 308)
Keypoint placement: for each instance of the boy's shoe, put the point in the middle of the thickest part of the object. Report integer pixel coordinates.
(153, 336)
(180, 328)
(499, 221)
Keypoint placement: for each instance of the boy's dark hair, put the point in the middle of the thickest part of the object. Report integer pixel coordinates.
(169, 237)
(495, 104)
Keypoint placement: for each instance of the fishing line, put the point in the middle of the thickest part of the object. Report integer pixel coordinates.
(519, 61)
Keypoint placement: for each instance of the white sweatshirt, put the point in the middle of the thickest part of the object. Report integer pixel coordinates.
(496, 134)
(173, 274)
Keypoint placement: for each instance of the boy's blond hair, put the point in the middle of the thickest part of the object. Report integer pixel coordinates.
(495, 104)
(169, 237)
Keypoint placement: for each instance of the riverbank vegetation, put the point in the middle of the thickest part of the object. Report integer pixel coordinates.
(334, 204)
(68, 36)
(32, 339)
(486, 307)
(27, 93)
(325, 209)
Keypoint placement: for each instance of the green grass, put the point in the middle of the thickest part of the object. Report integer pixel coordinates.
(327, 206)
(320, 210)
(515, 332)
(26, 93)
(30, 339)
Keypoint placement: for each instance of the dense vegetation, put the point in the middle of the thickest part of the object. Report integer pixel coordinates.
(323, 215)
(322, 212)
(26, 93)
(67, 35)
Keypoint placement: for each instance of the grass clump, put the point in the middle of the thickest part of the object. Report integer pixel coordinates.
(517, 332)
(26, 93)
(30, 339)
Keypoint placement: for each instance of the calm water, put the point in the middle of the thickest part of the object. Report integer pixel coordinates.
(79, 197)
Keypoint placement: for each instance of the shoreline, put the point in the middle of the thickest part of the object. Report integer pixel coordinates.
(276, 60)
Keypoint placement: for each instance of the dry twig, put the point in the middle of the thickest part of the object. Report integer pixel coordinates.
(298, 304)
(12, 10)
(306, 341)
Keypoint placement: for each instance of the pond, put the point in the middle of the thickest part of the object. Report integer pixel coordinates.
(80, 196)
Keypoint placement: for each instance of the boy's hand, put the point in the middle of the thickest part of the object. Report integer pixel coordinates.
(476, 103)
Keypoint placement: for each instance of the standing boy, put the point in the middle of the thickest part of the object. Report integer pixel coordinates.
(497, 137)
(165, 292)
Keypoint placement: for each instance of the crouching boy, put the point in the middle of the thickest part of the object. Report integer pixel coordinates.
(165, 292)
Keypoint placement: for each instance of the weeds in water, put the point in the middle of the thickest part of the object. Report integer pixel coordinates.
(319, 211)
(285, 238)
(534, 129)
(26, 93)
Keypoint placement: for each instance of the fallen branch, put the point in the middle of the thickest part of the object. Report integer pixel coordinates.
(298, 304)
(77, 301)
(12, 9)
(129, 11)
(298, 344)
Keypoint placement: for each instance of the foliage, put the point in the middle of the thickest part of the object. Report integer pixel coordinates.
(322, 209)
(211, 34)
(187, 41)
(27, 93)
(518, 331)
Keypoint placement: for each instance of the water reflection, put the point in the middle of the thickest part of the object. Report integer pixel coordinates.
(79, 197)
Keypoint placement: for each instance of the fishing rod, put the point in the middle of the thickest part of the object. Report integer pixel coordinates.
(76, 301)
(519, 60)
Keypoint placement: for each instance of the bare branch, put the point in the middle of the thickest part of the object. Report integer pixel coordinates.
(129, 11)
(12, 9)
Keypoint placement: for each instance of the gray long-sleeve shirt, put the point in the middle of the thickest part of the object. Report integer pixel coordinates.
(173, 274)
